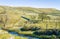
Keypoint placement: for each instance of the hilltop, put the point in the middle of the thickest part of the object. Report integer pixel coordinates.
(30, 9)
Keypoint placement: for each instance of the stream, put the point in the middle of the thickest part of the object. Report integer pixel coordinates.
(15, 33)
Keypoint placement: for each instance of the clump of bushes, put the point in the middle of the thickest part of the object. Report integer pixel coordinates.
(48, 32)
(30, 28)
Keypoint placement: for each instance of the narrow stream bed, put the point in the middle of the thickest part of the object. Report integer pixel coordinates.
(15, 33)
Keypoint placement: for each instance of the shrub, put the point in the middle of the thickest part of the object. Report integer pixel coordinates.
(30, 29)
(48, 32)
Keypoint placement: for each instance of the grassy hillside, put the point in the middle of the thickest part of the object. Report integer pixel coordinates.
(11, 17)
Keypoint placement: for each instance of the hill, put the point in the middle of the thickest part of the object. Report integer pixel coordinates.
(11, 16)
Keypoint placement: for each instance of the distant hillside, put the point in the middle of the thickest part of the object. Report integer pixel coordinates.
(38, 10)
(14, 14)
(29, 9)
